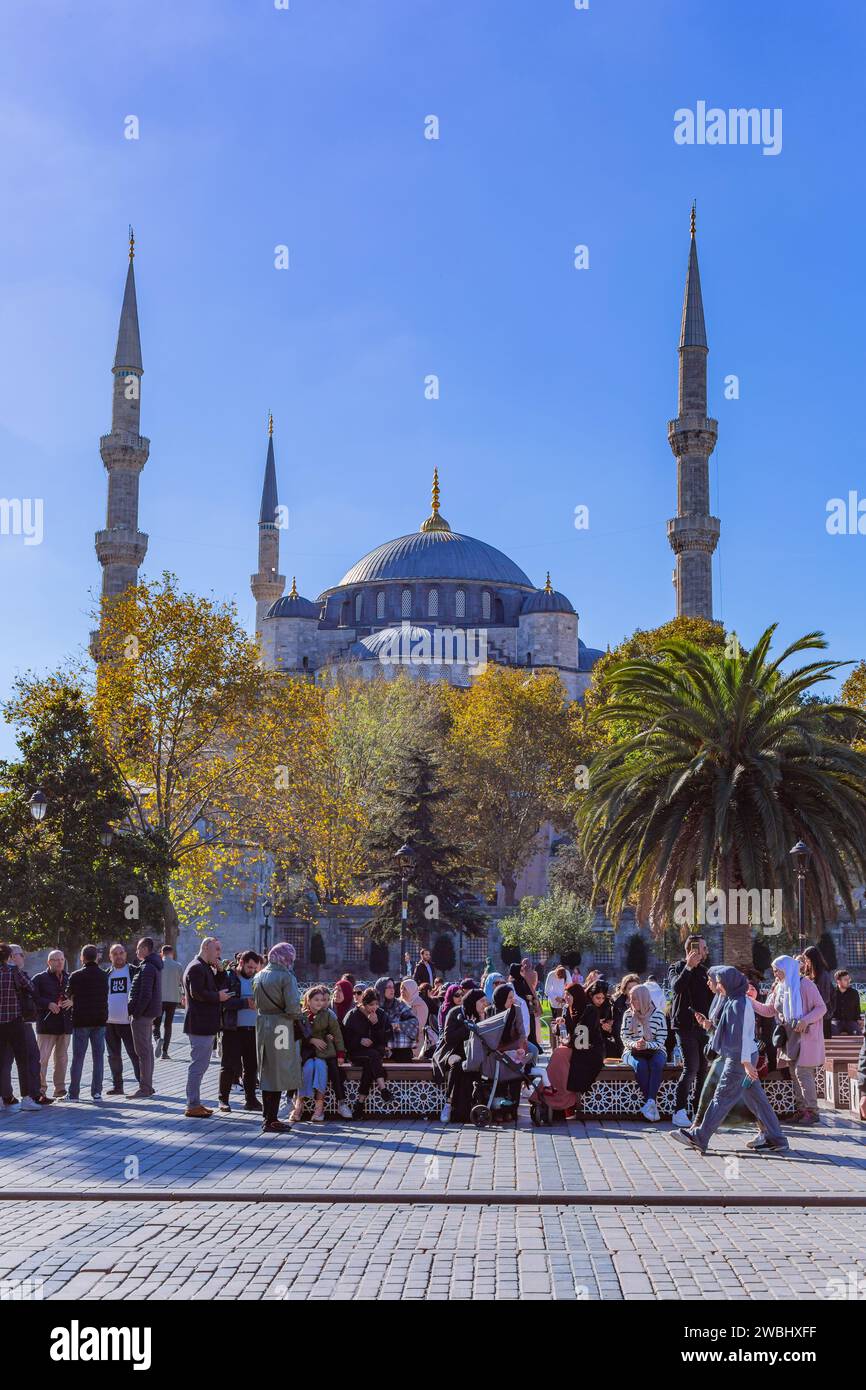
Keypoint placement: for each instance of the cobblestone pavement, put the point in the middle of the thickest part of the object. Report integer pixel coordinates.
(181, 1250)
(150, 1143)
(419, 1249)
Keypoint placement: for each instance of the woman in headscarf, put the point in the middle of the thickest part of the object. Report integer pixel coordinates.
(619, 1004)
(586, 1038)
(644, 1035)
(513, 1040)
(453, 995)
(426, 997)
(343, 996)
(492, 979)
(796, 1003)
(410, 995)
(524, 1001)
(451, 1054)
(734, 1040)
(401, 1024)
(278, 1005)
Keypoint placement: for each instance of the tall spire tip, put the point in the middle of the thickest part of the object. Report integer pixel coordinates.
(131, 243)
(694, 211)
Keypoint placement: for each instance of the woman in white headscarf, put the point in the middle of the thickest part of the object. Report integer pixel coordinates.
(411, 996)
(644, 1034)
(797, 1005)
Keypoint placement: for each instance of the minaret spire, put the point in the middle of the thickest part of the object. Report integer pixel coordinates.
(268, 584)
(121, 547)
(693, 533)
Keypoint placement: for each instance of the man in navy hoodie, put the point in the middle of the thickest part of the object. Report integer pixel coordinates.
(145, 1004)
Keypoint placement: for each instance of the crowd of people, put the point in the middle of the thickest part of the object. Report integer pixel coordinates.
(283, 1047)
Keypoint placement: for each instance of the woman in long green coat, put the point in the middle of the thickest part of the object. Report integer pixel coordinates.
(278, 1003)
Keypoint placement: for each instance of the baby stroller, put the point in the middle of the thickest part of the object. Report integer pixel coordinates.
(500, 1080)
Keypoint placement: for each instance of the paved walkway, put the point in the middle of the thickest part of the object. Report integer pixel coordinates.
(416, 1249)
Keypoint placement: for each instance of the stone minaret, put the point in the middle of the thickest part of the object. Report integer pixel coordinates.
(268, 584)
(121, 547)
(693, 533)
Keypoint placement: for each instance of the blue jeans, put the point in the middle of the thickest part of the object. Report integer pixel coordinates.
(648, 1070)
(315, 1076)
(729, 1090)
(81, 1037)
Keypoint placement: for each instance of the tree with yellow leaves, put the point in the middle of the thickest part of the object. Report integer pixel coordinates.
(511, 753)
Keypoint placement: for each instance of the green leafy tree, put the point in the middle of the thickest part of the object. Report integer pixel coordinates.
(555, 925)
(441, 883)
(59, 886)
(732, 761)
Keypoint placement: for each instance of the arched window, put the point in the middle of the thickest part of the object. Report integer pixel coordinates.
(306, 663)
(405, 603)
(433, 604)
(359, 605)
(529, 658)
(460, 603)
(344, 613)
(485, 604)
(380, 604)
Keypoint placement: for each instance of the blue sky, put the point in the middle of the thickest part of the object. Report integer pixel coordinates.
(305, 127)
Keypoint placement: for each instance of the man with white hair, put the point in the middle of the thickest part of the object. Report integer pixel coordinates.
(204, 1000)
(53, 1021)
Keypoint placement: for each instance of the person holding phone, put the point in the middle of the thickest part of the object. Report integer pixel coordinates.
(734, 1040)
(690, 995)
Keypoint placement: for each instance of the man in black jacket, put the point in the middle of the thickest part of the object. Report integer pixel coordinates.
(423, 974)
(88, 990)
(239, 1055)
(202, 986)
(691, 994)
(365, 1032)
(145, 1004)
(54, 1021)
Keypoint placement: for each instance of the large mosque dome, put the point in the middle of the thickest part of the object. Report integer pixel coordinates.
(436, 554)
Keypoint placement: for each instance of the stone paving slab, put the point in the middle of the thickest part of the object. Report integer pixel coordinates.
(184, 1251)
(124, 1143)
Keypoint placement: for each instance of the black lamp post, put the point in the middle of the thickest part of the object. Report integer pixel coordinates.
(407, 857)
(106, 835)
(801, 854)
(267, 909)
(38, 804)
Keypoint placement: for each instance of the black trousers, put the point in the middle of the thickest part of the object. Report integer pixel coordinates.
(401, 1054)
(335, 1076)
(271, 1104)
(14, 1042)
(694, 1068)
(168, 1012)
(239, 1057)
(370, 1062)
(118, 1035)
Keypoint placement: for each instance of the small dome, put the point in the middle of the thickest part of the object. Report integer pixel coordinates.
(397, 640)
(293, 605)
(587, 656)
(546, 600)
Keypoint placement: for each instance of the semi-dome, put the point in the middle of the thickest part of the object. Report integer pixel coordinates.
(436, 552)
(546, 600)
(294, 605)
(389, 640)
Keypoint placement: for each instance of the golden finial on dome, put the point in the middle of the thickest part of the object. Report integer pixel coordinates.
(694, 206)
(548, 588)
(293, 592)
(435, 522)
(270, 424)
(131, 244)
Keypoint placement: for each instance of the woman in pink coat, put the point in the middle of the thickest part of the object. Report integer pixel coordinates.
(797, 1005)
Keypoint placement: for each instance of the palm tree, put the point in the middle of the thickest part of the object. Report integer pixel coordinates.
(725, 763)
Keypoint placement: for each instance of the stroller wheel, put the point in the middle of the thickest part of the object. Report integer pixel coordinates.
(481, 1116)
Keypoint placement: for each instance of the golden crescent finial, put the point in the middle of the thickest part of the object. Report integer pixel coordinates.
(270, 423)
(293, 592)
(435, 490)
(548, 588)
(694, 206)
(131, 243)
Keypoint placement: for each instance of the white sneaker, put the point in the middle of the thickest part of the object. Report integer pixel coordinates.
(656, 1115)
(285, 1111)
(681, 1120)
(647, 1110)
(445, 1113)
(344, 1111)
(28, 1103)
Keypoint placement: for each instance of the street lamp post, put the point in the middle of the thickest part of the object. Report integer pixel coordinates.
(801, 854)
(406, 857)
(38, 804)
(265, 929)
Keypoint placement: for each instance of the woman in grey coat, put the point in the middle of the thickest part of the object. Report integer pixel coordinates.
(278, 1003)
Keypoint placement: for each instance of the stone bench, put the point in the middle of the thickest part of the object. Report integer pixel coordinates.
(855, 1091)
(840, 1053)
(616, 1092)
